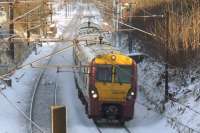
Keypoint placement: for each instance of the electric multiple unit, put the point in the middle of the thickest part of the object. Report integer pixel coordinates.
(106, 79)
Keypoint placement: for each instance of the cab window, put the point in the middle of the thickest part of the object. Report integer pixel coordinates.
(123, 74)
(104, 73)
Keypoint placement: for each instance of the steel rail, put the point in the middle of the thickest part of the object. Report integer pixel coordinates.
(98, 128)
(55, 91)
(36, 86)
(33, 99)
(122, 127)
(126, 128)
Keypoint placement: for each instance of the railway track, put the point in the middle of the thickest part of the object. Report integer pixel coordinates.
(127, 130)
(44, 95)
(116, 129)
(42, 98)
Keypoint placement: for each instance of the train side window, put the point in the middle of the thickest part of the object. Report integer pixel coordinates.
(82, 72)
(85, 76)
(76, 52)
(104, 73)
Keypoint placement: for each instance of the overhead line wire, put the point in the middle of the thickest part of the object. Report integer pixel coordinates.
(22, 112)
(37, 60)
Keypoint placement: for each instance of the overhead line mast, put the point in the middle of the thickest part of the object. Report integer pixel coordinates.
(11, 30)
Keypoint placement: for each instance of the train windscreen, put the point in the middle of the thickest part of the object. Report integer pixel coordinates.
(123, 74)
(104, 73)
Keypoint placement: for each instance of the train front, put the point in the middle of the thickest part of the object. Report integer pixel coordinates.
(113, 86)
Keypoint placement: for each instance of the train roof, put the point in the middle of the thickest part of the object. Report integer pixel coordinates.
(89, 24)
(89, 41)
(89, 21)
(92, 49)
(93, 39)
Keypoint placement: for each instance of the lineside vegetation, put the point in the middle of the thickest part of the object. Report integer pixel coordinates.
(184, 27)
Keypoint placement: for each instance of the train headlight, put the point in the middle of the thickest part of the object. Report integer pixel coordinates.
(130, 95)
(92, 91)
(113, 57)
(94, 95)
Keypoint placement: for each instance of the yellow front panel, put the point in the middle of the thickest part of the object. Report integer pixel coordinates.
(112, 91)
(120, 59)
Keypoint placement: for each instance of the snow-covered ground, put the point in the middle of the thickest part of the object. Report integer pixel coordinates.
(182, 111)
(151, 88)
(11, 120)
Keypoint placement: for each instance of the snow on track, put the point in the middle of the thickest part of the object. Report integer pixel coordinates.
(110, 129)
(45, 93)
(43, 98)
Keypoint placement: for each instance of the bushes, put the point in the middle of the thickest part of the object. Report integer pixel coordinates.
(184, 27)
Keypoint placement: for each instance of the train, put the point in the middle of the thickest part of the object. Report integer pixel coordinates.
(105, 78)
